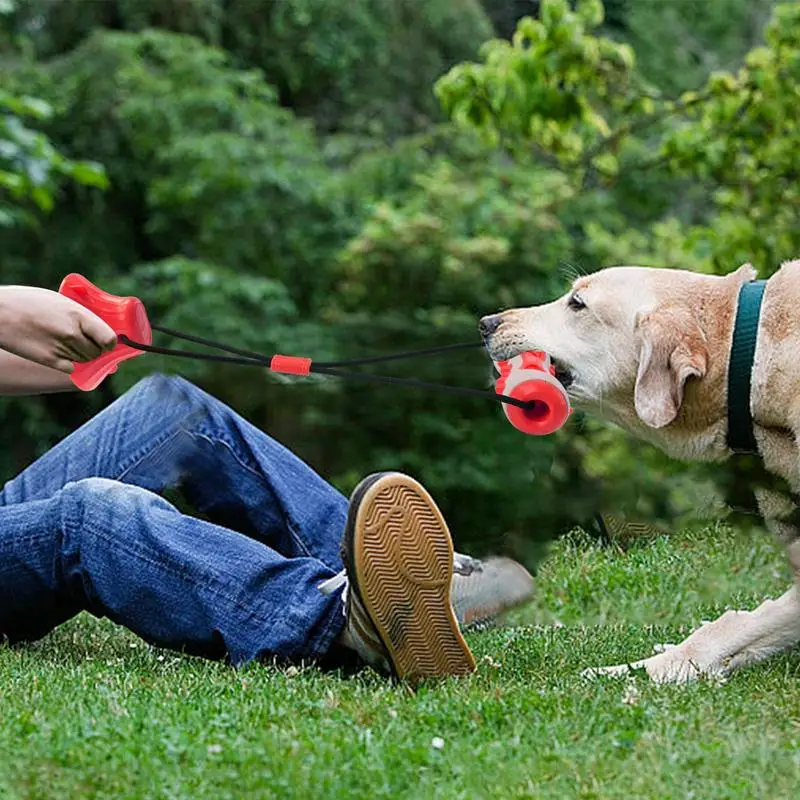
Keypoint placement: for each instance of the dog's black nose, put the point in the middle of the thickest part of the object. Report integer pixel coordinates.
(489, 324)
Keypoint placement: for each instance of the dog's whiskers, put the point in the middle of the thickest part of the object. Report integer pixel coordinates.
(571, 272)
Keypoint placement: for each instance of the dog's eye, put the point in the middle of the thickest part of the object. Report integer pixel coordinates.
(576, 303)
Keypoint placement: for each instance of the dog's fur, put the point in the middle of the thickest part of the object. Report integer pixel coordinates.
(649, 349)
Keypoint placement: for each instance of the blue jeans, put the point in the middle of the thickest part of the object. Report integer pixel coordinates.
(84, 529)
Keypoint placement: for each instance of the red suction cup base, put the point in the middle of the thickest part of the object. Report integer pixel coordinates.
(549, 408)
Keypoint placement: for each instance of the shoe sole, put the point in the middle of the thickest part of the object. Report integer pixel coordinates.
(403, 559)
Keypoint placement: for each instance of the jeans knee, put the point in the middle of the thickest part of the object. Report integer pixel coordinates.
(167, 398)
(161, 387)
(95, 499)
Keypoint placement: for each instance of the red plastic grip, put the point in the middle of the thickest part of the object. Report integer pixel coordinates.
(290, 365)
(125, 315)
(530, 378)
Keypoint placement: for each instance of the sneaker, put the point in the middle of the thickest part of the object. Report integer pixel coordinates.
(482, 590)
(398, 559)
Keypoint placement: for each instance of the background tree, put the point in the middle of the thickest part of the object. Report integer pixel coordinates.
(338, 179)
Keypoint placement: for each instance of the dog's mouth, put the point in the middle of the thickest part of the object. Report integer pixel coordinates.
(563, 374)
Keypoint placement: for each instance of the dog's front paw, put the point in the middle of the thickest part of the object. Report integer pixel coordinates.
(672, 665)
(707, 653)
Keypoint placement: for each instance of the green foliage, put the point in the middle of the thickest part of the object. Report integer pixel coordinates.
(345, 63)
(364, 64)
(260, 193)
(744, 141)
(736, 137)
(51, 29)
(215, 191)
(550, 88)
(195, 149)
(247, 311)
(471, 231)
(30, 166)
(737, 133)
(461, 237)
(678, 43)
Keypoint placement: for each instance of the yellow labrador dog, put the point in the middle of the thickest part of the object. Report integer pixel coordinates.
(651, 350)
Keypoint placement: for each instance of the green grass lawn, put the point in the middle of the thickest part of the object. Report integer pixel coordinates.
(92, 712)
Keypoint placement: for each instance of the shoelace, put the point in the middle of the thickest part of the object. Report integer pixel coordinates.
(330, 585)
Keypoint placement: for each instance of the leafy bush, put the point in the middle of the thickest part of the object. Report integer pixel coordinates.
(364, 64)
(30, 167)
(260, 192)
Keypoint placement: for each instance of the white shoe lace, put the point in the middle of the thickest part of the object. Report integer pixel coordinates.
(330, 585)
(466, 565)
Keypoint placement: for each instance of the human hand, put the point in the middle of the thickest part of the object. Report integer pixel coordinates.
(50, 329)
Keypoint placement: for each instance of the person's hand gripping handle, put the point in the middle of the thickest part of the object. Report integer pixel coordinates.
(117, 316)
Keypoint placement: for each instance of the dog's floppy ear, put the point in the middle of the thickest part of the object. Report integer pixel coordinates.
(672, 349)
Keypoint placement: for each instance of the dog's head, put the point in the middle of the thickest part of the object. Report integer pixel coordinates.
(626, 341)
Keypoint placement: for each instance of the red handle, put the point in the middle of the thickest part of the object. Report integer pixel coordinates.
(125, 315)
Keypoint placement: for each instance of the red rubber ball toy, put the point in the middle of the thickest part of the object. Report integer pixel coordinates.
(531, 377)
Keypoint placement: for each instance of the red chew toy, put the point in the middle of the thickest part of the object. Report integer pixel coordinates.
(531, 377)
(528, 377)
(125, 315)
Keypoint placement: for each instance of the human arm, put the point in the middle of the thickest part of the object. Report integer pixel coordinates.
(18, 376)
(41, 334)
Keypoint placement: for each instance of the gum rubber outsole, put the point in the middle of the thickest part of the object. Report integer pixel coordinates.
(403, 557)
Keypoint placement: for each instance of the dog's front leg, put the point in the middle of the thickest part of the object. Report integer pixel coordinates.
(736, 639)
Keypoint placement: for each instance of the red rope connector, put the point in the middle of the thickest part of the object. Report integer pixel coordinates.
(290, 365)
